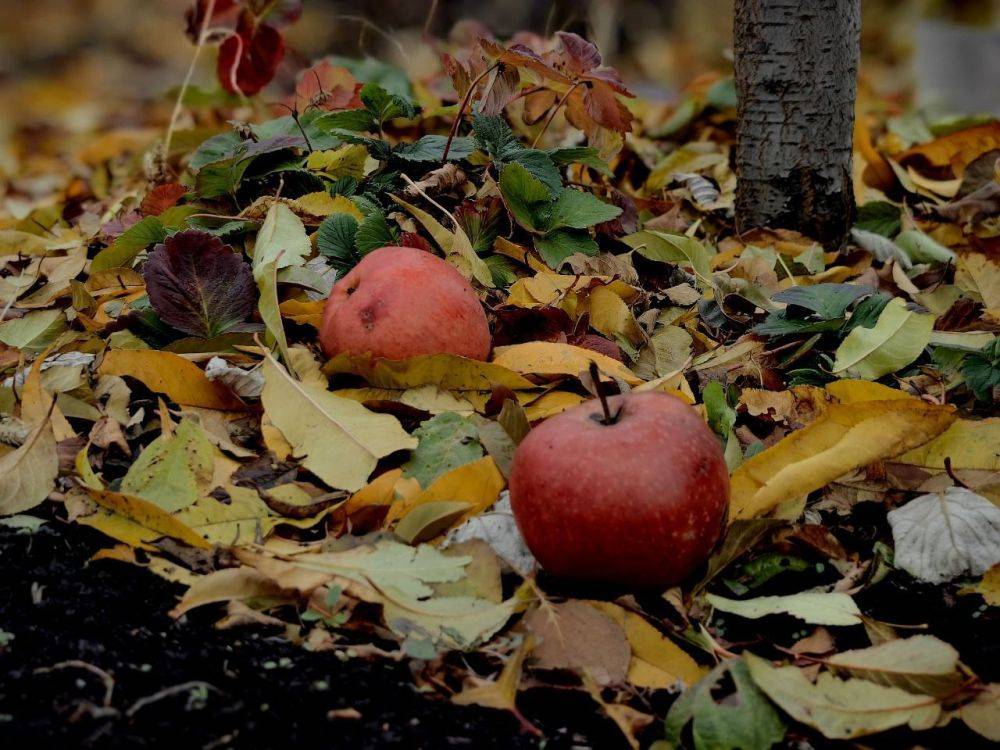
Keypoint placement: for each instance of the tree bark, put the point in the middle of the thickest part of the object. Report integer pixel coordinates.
(796, 80)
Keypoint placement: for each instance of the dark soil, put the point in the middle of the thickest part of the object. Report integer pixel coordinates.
(253, 689)
(265, 691)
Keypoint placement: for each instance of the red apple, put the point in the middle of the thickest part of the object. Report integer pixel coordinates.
(400, 302)
(639, 502)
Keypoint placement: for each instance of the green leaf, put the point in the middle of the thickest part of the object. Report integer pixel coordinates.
(724, 719)
(826, 301)
(34, 331)
(867, 311)
(385, 106)
(372, 70)
(982, 371)
(528, 199)
(586, 155)
(880, 217)
(673, 248)
(431, 148)
(267, 306)
(282, 240)
(814, 608)
(841, 709)
(428, 520)
(501, 270)
(897, 339)
(578, 209)
(335, 239)
(129, 244)
(721, 416)
(494, 136)
(921, 664)
(358, 120)
(373, 232)
(447, 441)
(555, 247)
(173, 471)
(923, 249)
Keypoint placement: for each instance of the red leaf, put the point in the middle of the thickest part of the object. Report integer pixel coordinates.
(162, 197)
(412, 239)
(328, 87)
(250, 57)
(199, 285)
(196, 15)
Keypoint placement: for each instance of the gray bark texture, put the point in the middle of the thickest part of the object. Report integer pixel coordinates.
(796, 80)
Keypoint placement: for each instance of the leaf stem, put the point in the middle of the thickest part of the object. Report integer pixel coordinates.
(552, 114)
(202, 38)
(461, 110)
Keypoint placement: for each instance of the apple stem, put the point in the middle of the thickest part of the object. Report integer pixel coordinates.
(595, 375)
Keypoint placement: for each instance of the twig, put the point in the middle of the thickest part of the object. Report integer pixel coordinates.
(552, 114)
(461, 110)
(168, 692)
(202, 38)
(108, 680)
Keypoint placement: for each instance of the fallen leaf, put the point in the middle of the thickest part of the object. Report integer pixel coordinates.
(575, 636)
(814, 608)
(549, 358)
(339, 440)
(921, 664)
(841, 709)
(165, 372)
(940, 536)
(843, 438)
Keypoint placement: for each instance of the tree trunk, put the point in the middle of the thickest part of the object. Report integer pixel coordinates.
(796, 79)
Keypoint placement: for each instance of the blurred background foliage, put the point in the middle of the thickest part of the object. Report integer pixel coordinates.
(72, 62)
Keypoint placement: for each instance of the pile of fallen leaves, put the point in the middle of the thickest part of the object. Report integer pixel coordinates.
(161, 380)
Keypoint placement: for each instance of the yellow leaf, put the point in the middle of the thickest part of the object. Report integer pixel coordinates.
(970, 444)
(28, 474)
(380, 491)
(959, 148)
(477, 483)
(165, 372)
(446, 371)
(845, 437)
(341, 441)
(324, 204)
(657, 662)
(610, 315)
(303, 313)
(502, 692)
(551, 403)
(427, 398)
(244, 519)
(346, 161)
(979, 275)
(988, 587)
(146, 515)
(225, 585)
(173, 471)
(550, 358)
(854, 391)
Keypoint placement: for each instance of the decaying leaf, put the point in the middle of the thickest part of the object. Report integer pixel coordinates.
(942, 535)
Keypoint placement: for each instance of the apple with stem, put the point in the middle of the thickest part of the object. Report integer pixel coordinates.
(629, 490)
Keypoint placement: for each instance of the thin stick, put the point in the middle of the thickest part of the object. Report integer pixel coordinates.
(202, 38)
(552, 114)
(184, 687)
(461, 110)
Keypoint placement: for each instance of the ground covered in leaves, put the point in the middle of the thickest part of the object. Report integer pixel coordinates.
(335, 535)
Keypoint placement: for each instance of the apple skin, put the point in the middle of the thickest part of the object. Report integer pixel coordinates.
(639, 503)
(401, 302)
